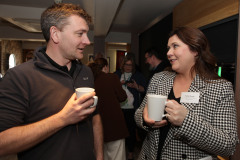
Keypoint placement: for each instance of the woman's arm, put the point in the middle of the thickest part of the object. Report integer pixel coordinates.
(136, 86)
(212, 126)
(120, 92)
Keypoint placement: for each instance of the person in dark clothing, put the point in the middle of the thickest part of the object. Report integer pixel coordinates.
(40, 115)
(157, 62)
(110, 93)
(134, 83)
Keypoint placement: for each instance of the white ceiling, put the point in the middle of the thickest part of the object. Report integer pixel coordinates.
(109, 16)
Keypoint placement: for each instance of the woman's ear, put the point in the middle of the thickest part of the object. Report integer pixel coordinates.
(54, 34)
(195, 54)
(105, 69)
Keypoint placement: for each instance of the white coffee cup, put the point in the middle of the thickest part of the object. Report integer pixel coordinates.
(84, 90)
(156, 106)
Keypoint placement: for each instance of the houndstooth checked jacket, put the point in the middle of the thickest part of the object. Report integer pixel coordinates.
(210, 127)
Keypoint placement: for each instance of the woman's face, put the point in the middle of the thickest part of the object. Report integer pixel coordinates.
(128, 66)
(180, 56)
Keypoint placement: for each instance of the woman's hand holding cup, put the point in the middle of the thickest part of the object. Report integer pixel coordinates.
(154, 111)
(152, 123)
(176, 112)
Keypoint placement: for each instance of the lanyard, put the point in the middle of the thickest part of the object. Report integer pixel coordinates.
(127, 79)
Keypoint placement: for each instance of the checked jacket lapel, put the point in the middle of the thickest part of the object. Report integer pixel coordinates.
(196, 86)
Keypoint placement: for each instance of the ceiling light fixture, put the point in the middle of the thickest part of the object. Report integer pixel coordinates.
(58, 1)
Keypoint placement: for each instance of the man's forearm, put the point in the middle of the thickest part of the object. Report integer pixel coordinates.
(98, 137)
(20, 138)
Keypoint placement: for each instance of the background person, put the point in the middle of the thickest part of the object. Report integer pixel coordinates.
(157, 61)
(205, 126)
(99, 55)
(41, 117)
(133, 82)
(110, 93)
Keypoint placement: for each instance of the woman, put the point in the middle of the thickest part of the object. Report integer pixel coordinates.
(134, 84)
(200, 127)
(110, 94)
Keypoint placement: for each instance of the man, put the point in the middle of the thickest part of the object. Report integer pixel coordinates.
(40, 115)
(157, 62)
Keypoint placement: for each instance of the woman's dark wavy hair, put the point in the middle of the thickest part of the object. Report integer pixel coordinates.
(205, 64)
(97, 66)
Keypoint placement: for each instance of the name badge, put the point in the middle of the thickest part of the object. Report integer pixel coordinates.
(190, 97)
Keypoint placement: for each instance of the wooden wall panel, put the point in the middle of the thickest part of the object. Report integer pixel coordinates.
(198, 13)
(236, 156)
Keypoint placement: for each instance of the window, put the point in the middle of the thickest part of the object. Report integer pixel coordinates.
(12, 61)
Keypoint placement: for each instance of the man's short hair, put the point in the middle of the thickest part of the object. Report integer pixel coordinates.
(153, 51)
(57, 15)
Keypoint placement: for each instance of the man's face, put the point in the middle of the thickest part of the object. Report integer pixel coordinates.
(73, 38)
(149, 60)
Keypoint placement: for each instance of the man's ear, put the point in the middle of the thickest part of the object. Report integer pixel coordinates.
(54, 34)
